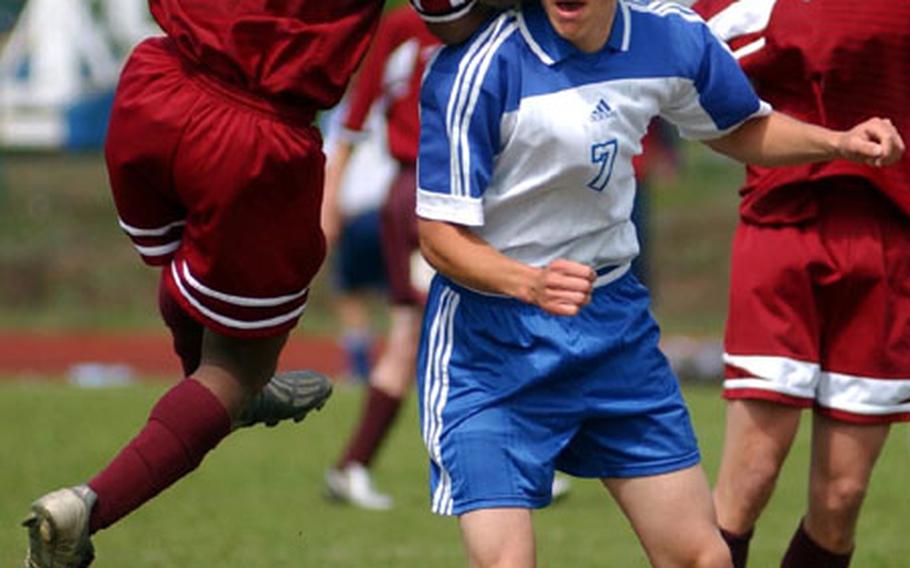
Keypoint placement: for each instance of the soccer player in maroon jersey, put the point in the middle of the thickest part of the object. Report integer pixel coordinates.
(217, 174)
(819, 303)
(390, 76)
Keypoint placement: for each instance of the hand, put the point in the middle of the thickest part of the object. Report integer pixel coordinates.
(563, 287)
(874, 142)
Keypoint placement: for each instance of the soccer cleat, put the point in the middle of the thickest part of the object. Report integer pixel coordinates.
(58, 529)
(288, 395)
(354, 485)
(561, 487)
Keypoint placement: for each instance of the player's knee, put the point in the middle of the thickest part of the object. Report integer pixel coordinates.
(702, 547)
(840, 497)
(757, 480)
(715, 554)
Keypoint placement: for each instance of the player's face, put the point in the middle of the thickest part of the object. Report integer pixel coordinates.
(583, 23)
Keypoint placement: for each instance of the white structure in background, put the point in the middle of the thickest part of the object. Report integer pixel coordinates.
(129, 22)
(59, 68)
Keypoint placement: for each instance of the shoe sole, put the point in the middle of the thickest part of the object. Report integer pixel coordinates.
(321, 400)
(317, 392)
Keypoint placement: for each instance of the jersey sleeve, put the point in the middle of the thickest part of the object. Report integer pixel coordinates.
(743, 26)
(718, 98)
(460, 112)
(367, 86)
(438, 11)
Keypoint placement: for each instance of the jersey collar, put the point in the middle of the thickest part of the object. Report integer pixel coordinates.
(551, 49)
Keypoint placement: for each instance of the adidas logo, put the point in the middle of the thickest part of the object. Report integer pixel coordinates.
(602, 111)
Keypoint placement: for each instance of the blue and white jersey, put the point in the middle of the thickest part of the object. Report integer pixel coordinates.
(529, 141)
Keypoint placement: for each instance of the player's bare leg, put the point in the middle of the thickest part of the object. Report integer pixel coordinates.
(843, 456)
(498, 538)
(356, 337)
(184, 425)
(234, 370)
(673, 516)
(394, 372)
(757, 439)
(288, 395)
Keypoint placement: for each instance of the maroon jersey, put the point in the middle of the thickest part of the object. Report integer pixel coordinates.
(299, 52)
(392, 72)
(829, 62)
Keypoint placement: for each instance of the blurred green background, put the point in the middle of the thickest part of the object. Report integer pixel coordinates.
(67, 265)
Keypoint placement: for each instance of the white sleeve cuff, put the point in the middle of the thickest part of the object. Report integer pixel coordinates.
(709, 132)
(451, 208)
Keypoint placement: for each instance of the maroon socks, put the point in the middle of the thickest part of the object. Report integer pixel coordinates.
(379, 414)
(739, 546)
(806, 553)
(184, 425)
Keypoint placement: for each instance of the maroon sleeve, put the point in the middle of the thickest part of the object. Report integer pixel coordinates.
(707, 9)
(745, 32)
(367, 85)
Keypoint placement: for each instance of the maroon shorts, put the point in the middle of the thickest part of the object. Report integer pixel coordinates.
(219, 187)
(820, 311)
(406, 270)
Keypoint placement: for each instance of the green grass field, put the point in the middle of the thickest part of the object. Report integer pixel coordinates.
(256, 502)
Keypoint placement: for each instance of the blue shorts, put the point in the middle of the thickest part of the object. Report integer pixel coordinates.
(358, 260)
(510, 393)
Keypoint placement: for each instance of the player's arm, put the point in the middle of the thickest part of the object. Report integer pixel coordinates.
(455, 168)
(778, 140)
(561, 288)
(454, 24)
(336, 164)
(365, 90)
(720, 107)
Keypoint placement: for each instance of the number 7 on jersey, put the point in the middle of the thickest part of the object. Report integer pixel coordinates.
(604, 154)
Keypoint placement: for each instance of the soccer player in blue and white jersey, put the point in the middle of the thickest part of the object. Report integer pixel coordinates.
(539, 351)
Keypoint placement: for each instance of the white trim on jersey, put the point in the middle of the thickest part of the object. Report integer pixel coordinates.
(627, 26)
(243, 301)
(750, 48)
(664, 9)
(539, 51)
(452, 208)
(232, 322)
(436, 389)
(532, 43)
(471, 72)
(156, 232)
(742, 18)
